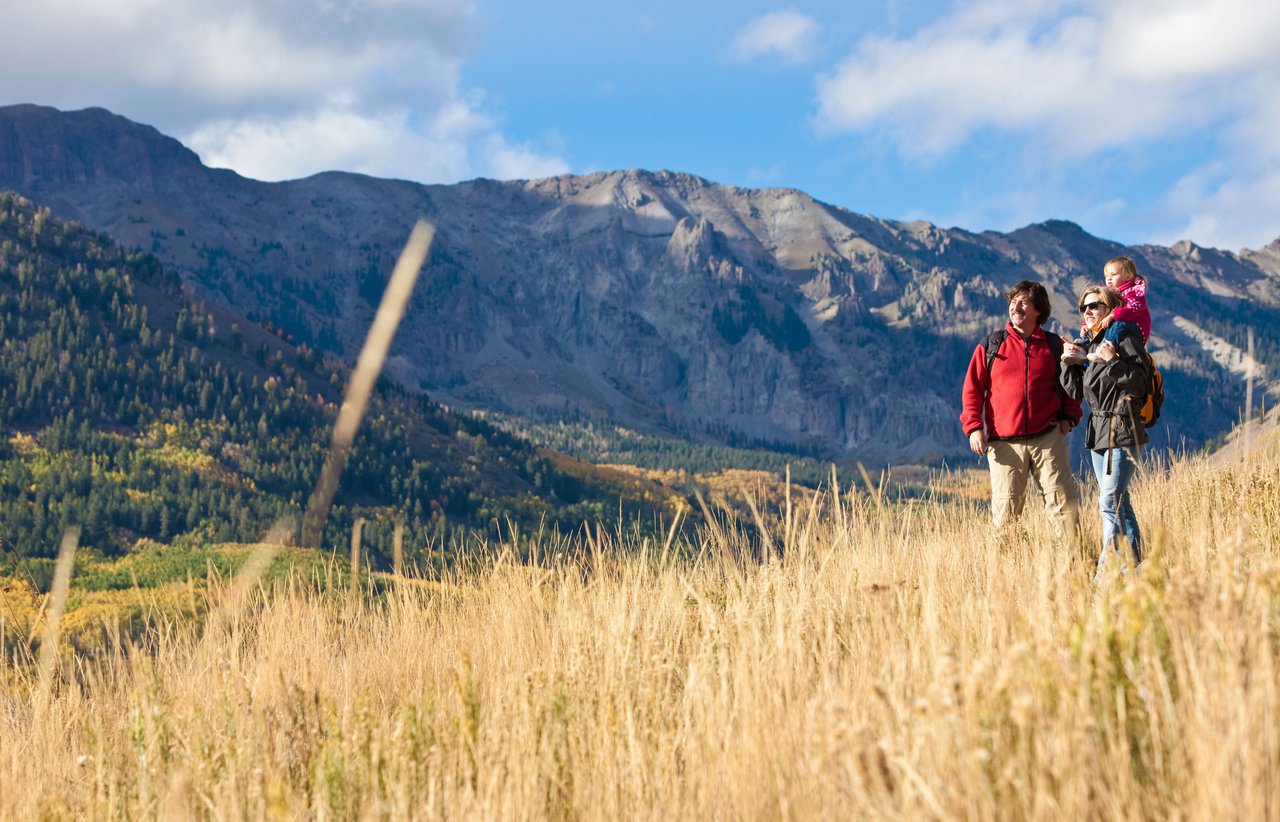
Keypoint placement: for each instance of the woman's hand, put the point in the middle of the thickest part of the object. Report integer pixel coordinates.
(1103, 353)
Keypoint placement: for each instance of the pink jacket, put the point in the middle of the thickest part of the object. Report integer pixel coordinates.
(1134, 309)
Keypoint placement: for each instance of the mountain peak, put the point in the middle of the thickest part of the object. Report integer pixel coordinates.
(48, 146)
(1187, 249)
(1063, 229)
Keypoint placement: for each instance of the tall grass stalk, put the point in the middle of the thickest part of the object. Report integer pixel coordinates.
(55, 606)
(886, 662)
(395, 299)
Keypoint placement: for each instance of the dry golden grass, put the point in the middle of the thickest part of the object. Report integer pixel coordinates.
(895, 662)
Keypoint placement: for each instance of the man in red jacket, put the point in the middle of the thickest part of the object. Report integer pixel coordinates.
(1015, 412)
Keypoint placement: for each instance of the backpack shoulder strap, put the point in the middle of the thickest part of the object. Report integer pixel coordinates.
(996, 339)
(992, 344)
(1055, 344)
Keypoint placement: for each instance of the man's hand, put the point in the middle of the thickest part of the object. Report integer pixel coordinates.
(978, 442)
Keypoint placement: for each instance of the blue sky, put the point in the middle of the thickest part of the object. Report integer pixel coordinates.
(1142, 120)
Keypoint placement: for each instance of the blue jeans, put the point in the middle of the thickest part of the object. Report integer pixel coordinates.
(1113, 504)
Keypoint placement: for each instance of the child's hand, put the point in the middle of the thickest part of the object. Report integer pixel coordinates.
(1073, 353)
(1105, 322)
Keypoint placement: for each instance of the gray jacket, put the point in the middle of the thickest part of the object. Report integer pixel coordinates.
(1113, 390)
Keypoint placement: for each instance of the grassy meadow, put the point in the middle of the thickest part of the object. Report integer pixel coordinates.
(845, 657)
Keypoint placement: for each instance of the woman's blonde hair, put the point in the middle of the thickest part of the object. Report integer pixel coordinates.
(1106, 294)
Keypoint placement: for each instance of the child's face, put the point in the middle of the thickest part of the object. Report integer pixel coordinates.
(1115, 275)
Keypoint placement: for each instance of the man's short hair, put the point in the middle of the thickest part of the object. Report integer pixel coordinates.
(1039, 298)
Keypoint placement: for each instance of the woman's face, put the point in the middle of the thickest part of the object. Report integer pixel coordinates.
(1093, 307)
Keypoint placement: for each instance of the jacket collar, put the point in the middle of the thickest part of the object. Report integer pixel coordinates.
(1037, 334)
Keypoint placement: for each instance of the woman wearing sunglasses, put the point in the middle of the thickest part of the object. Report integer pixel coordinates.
(1107, 368)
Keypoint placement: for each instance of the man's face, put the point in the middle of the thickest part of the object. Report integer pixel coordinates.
(1022, 311)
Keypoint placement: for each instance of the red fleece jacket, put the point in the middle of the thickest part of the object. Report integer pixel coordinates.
(1021, 396)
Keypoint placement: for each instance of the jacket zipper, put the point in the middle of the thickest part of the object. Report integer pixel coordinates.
(1026, 390)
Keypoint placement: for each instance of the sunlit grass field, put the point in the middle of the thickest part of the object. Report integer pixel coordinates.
(843, 657)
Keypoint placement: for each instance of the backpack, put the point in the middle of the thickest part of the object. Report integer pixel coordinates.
(1148, 407)
(1149, 413)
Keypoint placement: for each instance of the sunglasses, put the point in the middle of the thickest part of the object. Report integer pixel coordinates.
(1093, 306)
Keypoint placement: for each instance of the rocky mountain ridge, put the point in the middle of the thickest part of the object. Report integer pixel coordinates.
(655, 300)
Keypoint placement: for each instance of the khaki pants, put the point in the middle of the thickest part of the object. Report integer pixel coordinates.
(1044, 457)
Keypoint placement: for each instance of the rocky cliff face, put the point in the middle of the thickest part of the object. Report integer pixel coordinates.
(657, 300)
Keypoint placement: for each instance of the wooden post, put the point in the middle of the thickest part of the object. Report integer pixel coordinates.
(1248, 402)
(397, 548)
(355, 551)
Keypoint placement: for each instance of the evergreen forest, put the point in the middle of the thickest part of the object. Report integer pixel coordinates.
(138, 412)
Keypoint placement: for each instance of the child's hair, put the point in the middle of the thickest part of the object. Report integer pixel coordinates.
(1126, 265)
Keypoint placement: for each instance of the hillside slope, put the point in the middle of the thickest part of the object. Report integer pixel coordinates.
(141, 413)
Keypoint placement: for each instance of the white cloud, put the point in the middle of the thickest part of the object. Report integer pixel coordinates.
(272, 88)
(785, 34)
(757, 175)
(1190, 39)
(1226, 211)
(277, 148)
(521, 162)
(1017, 72)
(459, 143)
(1076, 79)
(1234, 202)
(234, 53)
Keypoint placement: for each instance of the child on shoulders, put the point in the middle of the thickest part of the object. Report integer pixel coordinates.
(1122, 274)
